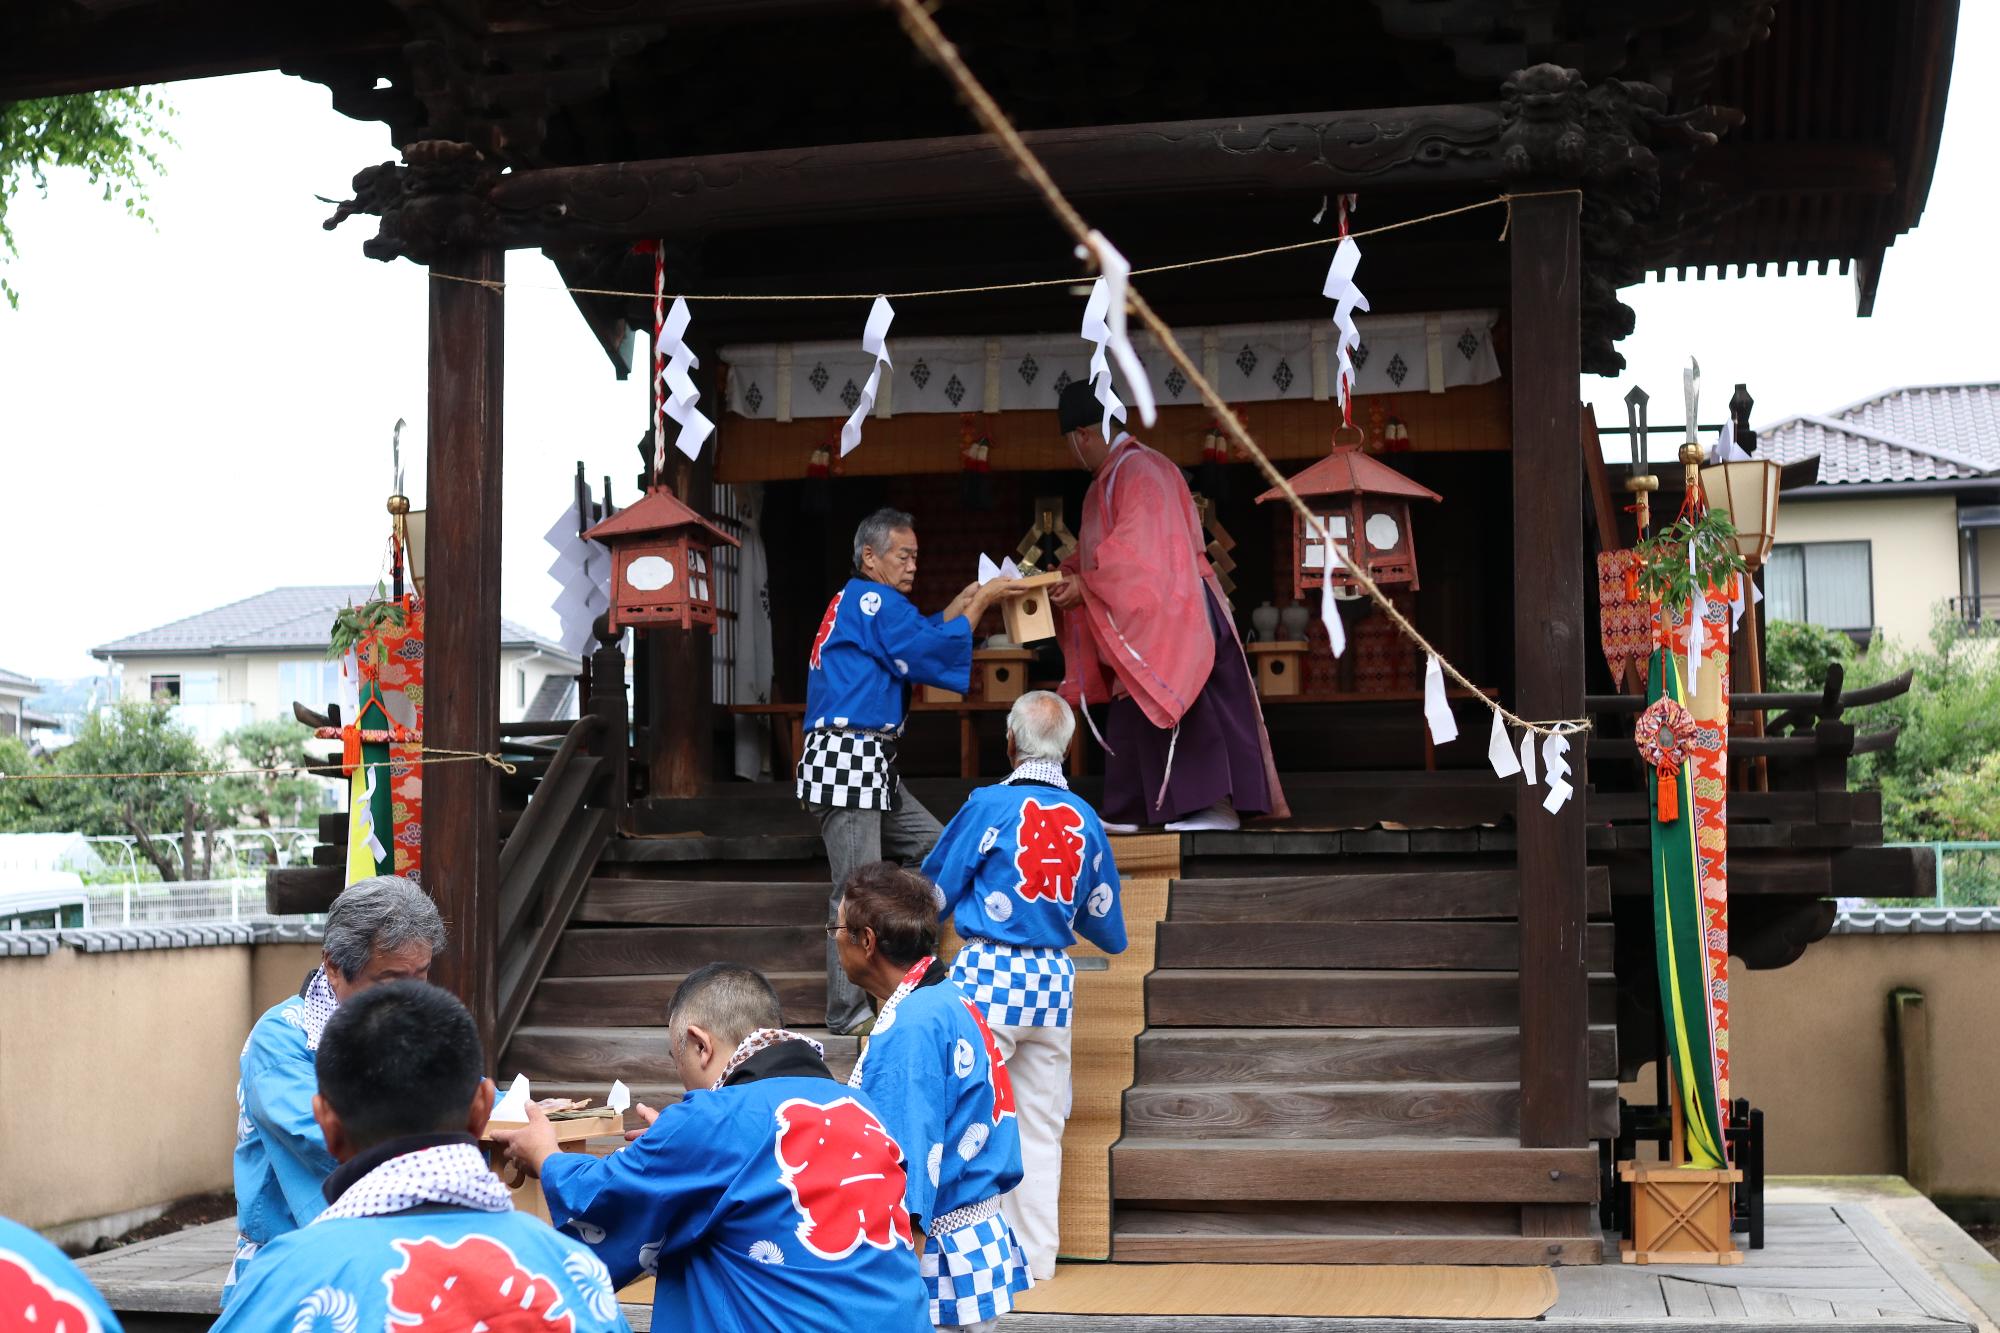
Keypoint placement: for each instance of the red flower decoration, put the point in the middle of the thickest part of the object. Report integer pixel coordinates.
(996, 1064)
(476, 1283)
(845, 1174)
(1050, 859)
(825, 627)
(30, 1301)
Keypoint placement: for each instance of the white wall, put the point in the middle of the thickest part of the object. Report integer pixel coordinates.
(1913, 544)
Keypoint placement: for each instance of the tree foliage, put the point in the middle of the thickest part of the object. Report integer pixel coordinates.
(266, 799)
(112, 136)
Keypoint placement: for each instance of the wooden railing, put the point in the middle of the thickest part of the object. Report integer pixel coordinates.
(1812, 742)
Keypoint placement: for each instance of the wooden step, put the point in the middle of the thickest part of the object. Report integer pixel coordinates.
(639, 1055)
(1364, 1170)
(641, 950)
(1409, 893)
(1375, 1233)
(1228, 997)
(1346, 1055)
(1343, 1111)
(1477, 946)
(704, 902)
(641, 1001)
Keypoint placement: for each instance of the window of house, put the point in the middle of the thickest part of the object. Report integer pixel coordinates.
(164, 687)
(1821, 583)
(201, 687)
(313, 682)
(520, 687)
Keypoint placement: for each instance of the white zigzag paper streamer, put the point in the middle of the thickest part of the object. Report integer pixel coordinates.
(1107, 303)
(676, 388)
(1329, 609)
(1437, 708)
(1555, 769)
(875, 342)
(1346, 298)
(1500, 750)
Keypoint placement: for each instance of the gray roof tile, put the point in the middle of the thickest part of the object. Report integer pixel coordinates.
(1944, 432)
(279, 619)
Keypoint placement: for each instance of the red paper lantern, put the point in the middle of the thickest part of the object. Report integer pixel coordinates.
(662, 571)
(1364, 506)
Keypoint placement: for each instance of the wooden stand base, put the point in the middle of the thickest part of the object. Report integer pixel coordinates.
(1680, 1215)
(1003, 673)
(1279, 667)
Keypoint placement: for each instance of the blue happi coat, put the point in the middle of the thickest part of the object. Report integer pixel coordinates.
(935, 1074)
(773, 1203)
(1024, 868)
(871, 645)
(281, 1160)
(439, 1268)
(36, 1276)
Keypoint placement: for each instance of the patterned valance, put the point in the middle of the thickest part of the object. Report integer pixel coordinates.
(1248, 363)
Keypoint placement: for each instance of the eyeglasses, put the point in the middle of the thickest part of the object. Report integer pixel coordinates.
(831, 931)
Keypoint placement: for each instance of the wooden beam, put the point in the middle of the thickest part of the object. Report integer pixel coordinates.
(462, 648)
(680, 734)
(1548, 663)
(1402, 148)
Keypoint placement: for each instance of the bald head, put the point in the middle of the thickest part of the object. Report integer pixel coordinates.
(1039, 726)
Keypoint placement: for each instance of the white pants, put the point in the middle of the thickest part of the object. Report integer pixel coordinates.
(1038, 1063)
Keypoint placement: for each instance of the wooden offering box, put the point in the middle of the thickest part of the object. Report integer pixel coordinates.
(1680, 1215)
(937, 694)
(1029, 617)
(1003, 672)
(1279, 667)
(574, 1130)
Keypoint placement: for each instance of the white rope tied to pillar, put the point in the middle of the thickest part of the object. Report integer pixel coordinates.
(875, 342)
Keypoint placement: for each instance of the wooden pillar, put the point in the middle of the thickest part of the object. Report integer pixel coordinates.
(680, 731)
(1549, 637)
(462, 647)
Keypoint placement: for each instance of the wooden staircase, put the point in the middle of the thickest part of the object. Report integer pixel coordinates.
(1330, 1074)
(654, 911)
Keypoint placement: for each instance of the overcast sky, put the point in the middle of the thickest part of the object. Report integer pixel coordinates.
(198, 412)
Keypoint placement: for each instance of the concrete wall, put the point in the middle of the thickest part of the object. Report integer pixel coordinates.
(1810, 1047)
(118, 1073)
(1913, 547)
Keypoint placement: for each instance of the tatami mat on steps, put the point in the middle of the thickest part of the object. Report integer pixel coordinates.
(1350, 1291)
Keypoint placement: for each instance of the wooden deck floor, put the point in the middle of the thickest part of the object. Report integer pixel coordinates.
(1857, 1255)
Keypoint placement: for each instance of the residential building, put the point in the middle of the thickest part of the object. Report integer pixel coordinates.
(1896, 530)
(16, 718)
(250, 660)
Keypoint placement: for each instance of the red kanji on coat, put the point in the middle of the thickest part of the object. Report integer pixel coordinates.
(30, 1301)
(1050, 855)
(845, 1175)
(475, 1283)
(1003, 1082)
(825, 627)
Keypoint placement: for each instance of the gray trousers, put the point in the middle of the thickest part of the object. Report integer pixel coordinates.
(854, 838)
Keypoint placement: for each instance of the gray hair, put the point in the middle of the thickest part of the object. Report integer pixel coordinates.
(383, 913)
(1040, 725)
(730, 1000)
(875, 530)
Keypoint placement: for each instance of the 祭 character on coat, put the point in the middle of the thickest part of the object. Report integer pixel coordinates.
(41, 1289)
(934, 1072)
(1024, 868)
(1146, 633)
(771, 1197)
(378, 930)
(417, 1233)
(871, 647)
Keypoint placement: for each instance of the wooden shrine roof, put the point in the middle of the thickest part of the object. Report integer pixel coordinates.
(1842, 103)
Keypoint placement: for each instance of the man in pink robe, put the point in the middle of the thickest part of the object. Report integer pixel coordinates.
(1147, 637)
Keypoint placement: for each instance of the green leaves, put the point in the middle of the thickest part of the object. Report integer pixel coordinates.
(351, 623)
(1663, 567)
(111, 136)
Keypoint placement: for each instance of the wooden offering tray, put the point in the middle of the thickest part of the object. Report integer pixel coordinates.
(1029, 616)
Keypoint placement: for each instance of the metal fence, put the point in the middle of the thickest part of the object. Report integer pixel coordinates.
(180, 902)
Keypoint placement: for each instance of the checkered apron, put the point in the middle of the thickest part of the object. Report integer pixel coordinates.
(1016, 985)
(974, 1270)
(855, 769)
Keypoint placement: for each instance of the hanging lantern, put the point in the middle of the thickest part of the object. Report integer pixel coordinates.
(1747, 491)
(1362, 505)
(661, 563)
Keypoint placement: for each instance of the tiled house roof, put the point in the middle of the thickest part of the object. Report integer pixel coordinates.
(283, 618)
(1944, 432)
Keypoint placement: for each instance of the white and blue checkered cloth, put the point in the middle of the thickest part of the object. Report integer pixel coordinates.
(973, 1273)
(1016, 985)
